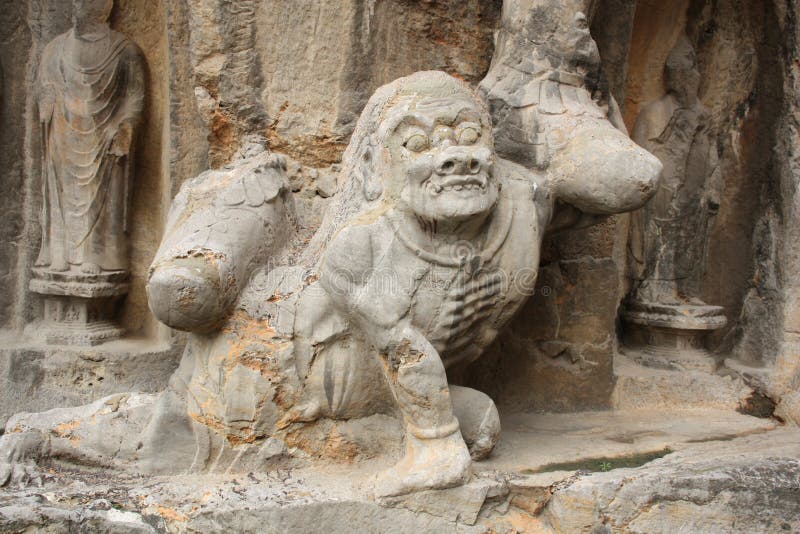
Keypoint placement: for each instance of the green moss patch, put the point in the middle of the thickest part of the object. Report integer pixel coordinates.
(603, 463)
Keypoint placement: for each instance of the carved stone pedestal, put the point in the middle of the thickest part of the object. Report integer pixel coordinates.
(78, 307)
(672, 336)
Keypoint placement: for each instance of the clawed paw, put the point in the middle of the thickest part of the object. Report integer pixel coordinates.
(438, 463)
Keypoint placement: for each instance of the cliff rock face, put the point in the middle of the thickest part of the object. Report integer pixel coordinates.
(782, 261)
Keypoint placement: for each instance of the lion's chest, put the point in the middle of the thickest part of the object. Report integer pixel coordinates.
(454, 307)
(459, 308)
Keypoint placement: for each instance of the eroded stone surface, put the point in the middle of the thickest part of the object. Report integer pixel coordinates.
(226, 76)
(39, 377)
(698, 487)
(665, 314)
(750, 484)
(541, 443)
(656, 385)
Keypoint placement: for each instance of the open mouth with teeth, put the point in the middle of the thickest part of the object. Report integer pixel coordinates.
(457, 183)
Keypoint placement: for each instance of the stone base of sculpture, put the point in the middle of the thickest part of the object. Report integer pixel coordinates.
(545, 472)
(79, 308)
(673, 335)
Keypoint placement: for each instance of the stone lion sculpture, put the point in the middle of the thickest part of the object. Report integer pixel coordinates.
(303, 349)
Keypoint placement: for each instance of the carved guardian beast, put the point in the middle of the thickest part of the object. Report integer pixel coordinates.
(427, 251)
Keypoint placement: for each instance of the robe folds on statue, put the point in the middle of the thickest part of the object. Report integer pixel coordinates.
(91, 97)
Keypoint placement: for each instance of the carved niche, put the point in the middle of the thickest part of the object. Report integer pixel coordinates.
(669, 236)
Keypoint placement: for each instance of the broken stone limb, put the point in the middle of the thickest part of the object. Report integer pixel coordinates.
(221, 227)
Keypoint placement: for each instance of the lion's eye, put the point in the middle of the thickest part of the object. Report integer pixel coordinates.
(468, 136)
(417, 143)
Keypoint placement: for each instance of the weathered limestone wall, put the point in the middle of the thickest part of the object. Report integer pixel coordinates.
(656, 28)
(15, 41)
(740, 64)
(299, 73)
(612, 26)
(747, 56)
(738, 58)
(558, 353)
(145, 23)
(785, 383)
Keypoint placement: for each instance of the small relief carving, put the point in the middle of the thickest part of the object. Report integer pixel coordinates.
(72, 314)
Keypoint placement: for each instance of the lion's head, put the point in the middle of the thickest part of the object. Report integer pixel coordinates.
(423, 143)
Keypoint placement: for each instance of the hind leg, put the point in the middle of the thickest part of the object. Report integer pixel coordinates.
(478, 419)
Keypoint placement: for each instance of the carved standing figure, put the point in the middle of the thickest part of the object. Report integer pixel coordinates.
(90, 96)
(669, 236)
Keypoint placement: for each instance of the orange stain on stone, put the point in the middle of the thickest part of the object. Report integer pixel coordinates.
(171, 515)
(252, 344)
